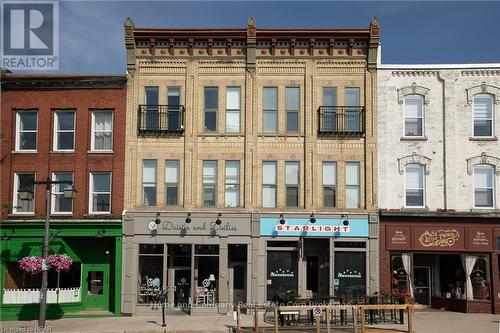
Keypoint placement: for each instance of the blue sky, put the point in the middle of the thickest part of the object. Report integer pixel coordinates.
(91, 33)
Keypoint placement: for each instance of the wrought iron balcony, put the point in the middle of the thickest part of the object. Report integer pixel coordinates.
(158, 120)
(341, 120)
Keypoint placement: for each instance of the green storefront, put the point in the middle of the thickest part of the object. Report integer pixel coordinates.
(92, 287)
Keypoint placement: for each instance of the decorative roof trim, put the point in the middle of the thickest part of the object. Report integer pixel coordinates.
(414, 90)
(414, 158)
(483, 159)
(483, 88)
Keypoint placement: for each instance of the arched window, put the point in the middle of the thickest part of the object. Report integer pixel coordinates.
(484, 186)
(414, 115)
(415, 185)
(483, 115)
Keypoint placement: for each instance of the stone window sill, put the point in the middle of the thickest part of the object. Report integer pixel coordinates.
(479, 138)
(412, 138)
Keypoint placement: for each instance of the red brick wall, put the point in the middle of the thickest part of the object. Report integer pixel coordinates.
(44, 161)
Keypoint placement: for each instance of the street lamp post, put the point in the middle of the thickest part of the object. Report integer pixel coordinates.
(69, 193)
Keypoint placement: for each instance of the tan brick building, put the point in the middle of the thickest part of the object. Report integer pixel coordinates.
(255, 152)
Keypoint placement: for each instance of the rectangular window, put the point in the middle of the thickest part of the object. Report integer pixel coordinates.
(484, 186)
(350, 272)
(414, 115)
(232, 184)
(483, 115)
(172, 176)
(211, 106)
(269, 184)
(149, 182)
(352, 115)
(329, 184)
(26, 130)
(151, 120)
(100, 192)
(352, 186)
(60, 204)
(209, 182)
(233, 101)
(270, 105)
(150, 272)
(292, 107)
(174, 110)
(292, 176)
(329, 116)
(102, 130)
(23, 182)
(414, 183)
(64, 130)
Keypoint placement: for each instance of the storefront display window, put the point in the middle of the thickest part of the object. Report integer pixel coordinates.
(480, 278)
(399, 280)
(206, 265)
(150, 272)
(350, 276)
(15, 278)
(452, 276)
(281, 273)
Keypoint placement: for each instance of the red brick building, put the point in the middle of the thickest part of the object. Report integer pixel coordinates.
(70, 128)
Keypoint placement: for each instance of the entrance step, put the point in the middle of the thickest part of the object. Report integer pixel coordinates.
(204, 310)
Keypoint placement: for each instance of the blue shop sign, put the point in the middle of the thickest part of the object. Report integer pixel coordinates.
(331, 227)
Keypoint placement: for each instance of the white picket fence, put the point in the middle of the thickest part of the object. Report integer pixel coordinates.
(54, 295)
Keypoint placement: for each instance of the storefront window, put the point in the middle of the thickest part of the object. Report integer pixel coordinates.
(150, 272)
(16, 278)
(350, 276)
(282, 277)
(206, 265)
(480, 278)
(399, 279)
(452, 276)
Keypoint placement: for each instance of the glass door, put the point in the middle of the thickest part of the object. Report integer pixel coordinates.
(182, 280)
(422, 280)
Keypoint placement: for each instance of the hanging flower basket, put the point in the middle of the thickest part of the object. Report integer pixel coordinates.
(33, 264)
(60, 262)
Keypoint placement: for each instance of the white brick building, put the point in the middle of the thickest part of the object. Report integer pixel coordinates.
(439, 184)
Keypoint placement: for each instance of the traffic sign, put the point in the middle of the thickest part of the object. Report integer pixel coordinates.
(317, 312)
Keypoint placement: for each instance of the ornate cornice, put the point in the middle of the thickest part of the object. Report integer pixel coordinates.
(414, 158)
(423, 73)
(483, 88)
(414, 90)
(479, 72)
(483, 159)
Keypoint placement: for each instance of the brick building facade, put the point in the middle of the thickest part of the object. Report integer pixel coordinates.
(251, 148)
(64, 128)
(439, 164)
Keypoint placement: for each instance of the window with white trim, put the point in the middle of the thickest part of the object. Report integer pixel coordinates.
(483, 116)
(60, 204)
(209, 183)
(149, 182)
(414, 115)
(233, 106)
(270, 106)
(415, 185)
(484, 186)
(292, 176)
(329, 184)
(102, 130)
(172, 175)
(100, 193)
(352, 185)
(23, 181)
(26, 130)
(269, 181)
(64, 130)
(232, 184)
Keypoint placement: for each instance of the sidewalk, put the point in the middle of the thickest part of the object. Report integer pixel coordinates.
(424, 322)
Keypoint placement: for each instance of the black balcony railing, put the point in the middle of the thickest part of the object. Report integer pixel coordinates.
(341, 120)
(156, 120)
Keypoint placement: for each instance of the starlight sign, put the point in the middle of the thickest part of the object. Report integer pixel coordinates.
(330, 227)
